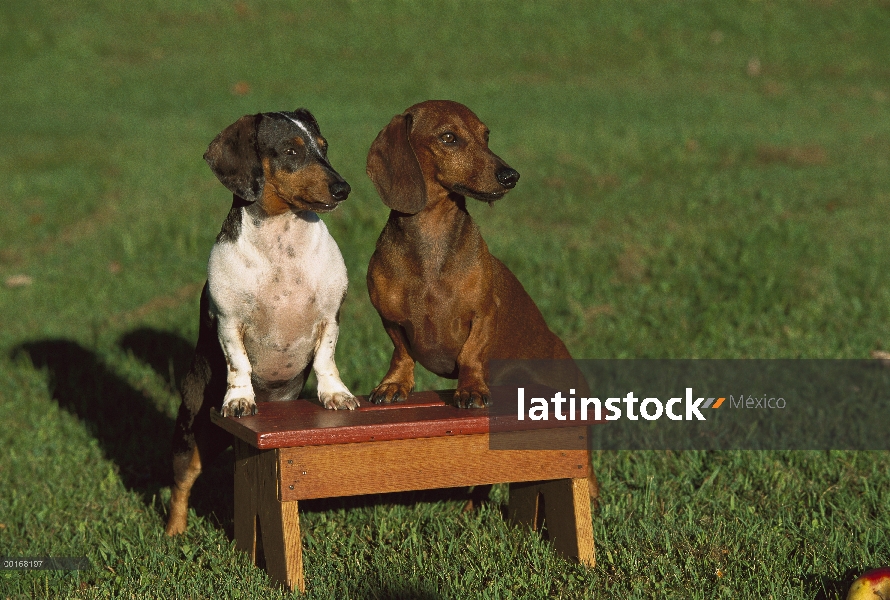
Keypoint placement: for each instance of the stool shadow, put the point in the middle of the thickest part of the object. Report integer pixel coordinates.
(477, 495)
(403, 592)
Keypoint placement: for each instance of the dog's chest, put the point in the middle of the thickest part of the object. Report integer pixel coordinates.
(434, 306)
(282, 278)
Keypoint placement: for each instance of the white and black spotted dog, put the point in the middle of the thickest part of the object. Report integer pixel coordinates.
(275, 283)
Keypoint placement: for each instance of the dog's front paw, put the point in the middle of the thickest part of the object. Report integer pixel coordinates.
(237, 405)
(339, 401)
(388, 392)
(472, 397)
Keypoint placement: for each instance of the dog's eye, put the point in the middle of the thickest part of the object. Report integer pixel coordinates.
(290, 151)
(448, 137)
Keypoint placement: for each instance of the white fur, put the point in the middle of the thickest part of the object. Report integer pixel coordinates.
(275, 292)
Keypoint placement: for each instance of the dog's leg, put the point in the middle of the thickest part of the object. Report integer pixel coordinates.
(332, 392)
(186, 468)
(399, 380)
(196, 440)
(209, 441)
(186, 456)
(239, 399)
(186, 459)
(185, 471)
(472, 365)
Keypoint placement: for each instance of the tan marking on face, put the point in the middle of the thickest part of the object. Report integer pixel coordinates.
(298, 190)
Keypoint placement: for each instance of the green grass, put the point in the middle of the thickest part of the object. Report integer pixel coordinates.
(699, 179)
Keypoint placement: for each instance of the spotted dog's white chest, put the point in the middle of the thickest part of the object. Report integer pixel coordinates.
(282, 279)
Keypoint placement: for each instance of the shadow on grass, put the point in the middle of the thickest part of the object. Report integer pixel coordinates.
(476, 495)
(405, 591)
(131, 430)
(827, 588)
(167, 353)
(136, 435)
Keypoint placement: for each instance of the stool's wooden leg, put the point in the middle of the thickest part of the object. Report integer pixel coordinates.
(246, 459)
(564, 507)
(257, 499)
(567, 518)
(522, 507)
(281, 541)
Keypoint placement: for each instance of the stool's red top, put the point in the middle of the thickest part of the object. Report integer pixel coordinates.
(306, 423)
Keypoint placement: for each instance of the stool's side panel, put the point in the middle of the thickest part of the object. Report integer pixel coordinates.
(284, 551)
(417, 464)
(276, 541)
(562, 506)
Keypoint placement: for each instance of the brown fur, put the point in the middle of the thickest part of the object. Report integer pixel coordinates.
(286, 191)
(445, 301)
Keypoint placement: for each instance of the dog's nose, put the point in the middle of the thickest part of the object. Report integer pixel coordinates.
(340, 190)
(507, 177)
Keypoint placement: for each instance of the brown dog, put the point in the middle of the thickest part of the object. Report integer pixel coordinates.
(445, 301)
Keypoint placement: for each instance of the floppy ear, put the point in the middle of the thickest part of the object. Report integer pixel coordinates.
(233, 158)
(394, 170)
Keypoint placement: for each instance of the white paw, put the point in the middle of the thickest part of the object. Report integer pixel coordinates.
(338, 400)
(238, 403)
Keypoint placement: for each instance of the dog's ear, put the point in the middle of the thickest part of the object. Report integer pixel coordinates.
(394, 170)
(234, 159)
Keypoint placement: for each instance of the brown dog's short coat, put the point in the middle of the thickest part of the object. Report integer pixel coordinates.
(445, 301)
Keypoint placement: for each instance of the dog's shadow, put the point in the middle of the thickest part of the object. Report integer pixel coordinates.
(136, 435)
(132, 432)
(170, 356)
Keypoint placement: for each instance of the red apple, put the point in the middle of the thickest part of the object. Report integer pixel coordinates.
(871, 585)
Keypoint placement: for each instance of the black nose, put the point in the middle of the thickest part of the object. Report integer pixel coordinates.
(340, 190)
(507, 177)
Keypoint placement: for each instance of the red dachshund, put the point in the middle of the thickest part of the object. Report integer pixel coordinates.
(445, 301)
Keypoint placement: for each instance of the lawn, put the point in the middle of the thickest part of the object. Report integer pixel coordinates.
(704, 179)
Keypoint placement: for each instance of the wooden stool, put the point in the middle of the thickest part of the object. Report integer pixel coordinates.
(297, 450)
